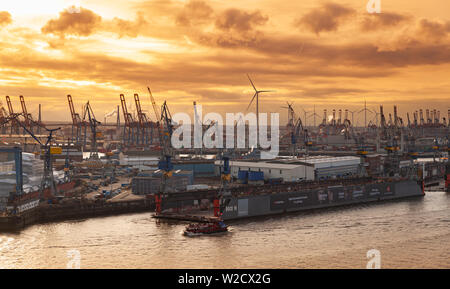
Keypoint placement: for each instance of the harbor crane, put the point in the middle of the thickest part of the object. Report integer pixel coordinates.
(204, 127)
(48, 180)
(296, 129)
(14, 121)
(93, 124)
(76, 122)
(128, 129)
(155, 107)
(28, 119)
(156, 111)
(165, 162)
(143, 123)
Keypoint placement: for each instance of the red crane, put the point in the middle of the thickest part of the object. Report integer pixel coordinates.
(128, 133)
(27, 116)
(14, 122)
(143, 122)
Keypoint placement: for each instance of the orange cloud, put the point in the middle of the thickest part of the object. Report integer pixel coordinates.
(434, 29)
(382, 20)
(237, 20)
(83, 23)
(200, 50)
(5, 18)
(128, 28)
(195, 12)
(326, 18)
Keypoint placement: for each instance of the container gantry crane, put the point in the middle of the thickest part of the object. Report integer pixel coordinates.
(128, 128)
(15, 121)
(143, 123)
(28, 119)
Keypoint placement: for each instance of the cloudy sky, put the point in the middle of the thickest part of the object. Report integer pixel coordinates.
(327, 54)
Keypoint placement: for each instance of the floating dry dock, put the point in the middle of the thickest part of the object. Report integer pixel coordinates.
(240, 202)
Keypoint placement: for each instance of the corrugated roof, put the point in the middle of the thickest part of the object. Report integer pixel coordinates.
(316, 161)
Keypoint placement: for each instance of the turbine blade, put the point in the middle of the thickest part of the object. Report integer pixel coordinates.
(252, 83)
(253, 98)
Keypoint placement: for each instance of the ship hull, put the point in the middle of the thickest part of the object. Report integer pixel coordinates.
(332, 196)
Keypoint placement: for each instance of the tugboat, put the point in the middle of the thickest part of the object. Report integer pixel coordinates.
(210, 227)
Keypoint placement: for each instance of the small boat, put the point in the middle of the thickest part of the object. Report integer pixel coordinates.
(211, 227)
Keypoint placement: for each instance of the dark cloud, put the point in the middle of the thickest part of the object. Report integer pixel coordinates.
(434, 29)
(235, 19)
(326, 18)
(69, 22)
(229, 39)
(362, 54)
(233, 28)
(195, 12)
(5, 18)
(383, 20)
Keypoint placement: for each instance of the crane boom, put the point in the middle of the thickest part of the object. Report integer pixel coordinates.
(93, 123)
(126, 116)
(26, 115)
(155, 107)
(10, 107)
(75, 116)
(141, 116)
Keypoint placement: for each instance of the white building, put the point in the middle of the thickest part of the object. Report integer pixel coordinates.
(291, 170)
(332, 167)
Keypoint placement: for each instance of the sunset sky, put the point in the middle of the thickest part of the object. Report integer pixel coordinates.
(331, 54)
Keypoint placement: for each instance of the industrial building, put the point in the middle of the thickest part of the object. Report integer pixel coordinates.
(291, 170)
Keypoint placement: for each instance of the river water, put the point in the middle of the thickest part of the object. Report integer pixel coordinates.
(413, 233)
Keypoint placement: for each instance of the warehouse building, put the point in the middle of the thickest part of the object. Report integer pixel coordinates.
(289, 172)
(292, 170)
(334, 167)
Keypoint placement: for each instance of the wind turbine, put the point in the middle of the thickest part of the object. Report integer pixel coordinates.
(291, 113)
(305, 113)
(257, 92)
(365, 109)
(353, 112)
(314, 116)
(376, 116)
